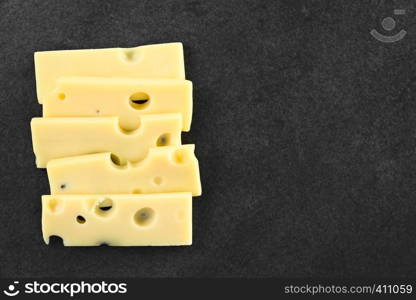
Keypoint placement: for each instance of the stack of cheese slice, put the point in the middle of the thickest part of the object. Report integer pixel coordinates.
(110, 138)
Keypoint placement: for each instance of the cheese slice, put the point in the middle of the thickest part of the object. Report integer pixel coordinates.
(62, 137)
(118, 220)
(164, 170)
(151, 61)
(125, 98)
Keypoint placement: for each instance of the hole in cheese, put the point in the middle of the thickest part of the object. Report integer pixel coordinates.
(163, 140)
(53, 205)
(180, 156)
(157, 180)
(139, 100)
(144, 217)
(131, 55)
(103, 207)
(81, 219)
(117, 161)
(61, 96)
(55, 240)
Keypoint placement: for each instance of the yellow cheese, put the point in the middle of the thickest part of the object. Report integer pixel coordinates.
(118, 220)
(63, 137)
(151, 61)
(125, 98)
(164, 170)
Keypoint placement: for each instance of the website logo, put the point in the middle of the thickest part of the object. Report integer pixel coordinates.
(11, 290)
(388, 25)
(67, 288)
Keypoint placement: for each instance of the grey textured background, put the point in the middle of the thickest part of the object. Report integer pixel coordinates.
(304, 127)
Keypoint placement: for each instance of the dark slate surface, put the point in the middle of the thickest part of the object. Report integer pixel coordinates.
(304, 126)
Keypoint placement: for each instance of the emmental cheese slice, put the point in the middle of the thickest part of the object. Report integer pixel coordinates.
(118, 220)
(151, 61)
(63, 137)
(164, 170)
(125, 98)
